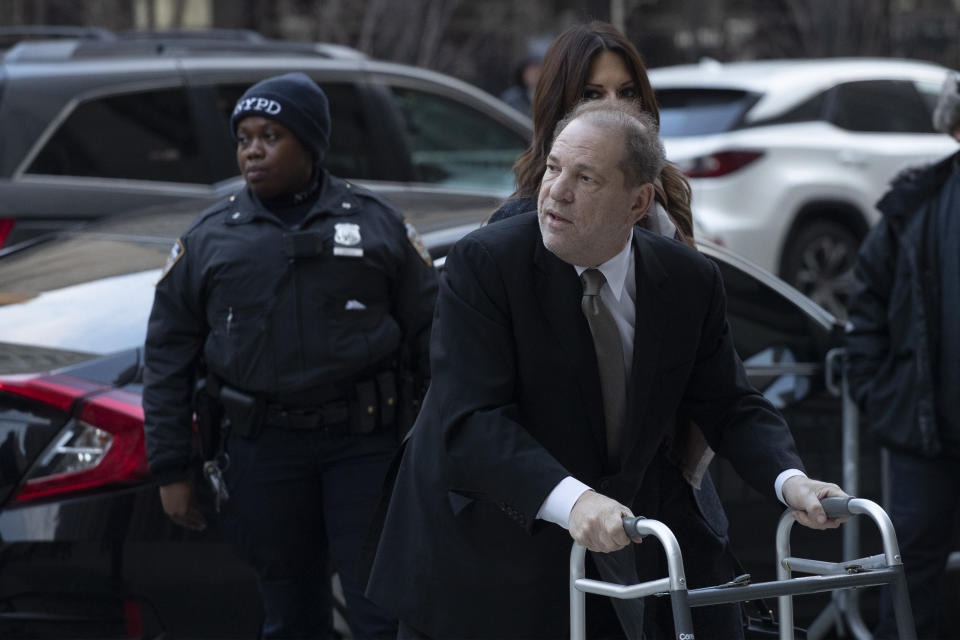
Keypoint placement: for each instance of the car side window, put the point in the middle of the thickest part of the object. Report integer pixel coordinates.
(135, 136)
(350, 152)
(696, 112)
(452, 144)
(880, 106)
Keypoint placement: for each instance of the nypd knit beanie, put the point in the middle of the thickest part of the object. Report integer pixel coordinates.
(946, 116)
(293, 100)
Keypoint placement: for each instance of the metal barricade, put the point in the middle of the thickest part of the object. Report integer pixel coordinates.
(844, 607)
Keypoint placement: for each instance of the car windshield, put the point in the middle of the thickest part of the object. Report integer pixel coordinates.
(695, 112)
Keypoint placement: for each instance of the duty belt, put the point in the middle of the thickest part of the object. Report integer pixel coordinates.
(362, 408)
(335, 415)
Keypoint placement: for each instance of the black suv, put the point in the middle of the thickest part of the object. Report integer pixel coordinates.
(105, 123)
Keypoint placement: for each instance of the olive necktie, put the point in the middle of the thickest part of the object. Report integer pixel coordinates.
(609, 348)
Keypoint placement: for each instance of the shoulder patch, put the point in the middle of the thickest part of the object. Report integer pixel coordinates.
(209, 212)
(175, 254)
(417, 242)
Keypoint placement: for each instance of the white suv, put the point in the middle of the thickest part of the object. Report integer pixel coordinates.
(788, 158)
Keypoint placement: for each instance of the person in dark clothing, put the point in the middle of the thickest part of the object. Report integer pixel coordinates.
(589, 62)
(519, 95)
(303, 303)
(903, 349)
(549, 414)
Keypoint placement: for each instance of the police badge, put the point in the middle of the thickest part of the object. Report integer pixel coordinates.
(346, 233)
(345, 236)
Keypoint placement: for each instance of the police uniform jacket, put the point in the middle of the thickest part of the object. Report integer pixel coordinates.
(273, 311)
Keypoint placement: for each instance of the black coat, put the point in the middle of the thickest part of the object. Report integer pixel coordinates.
(515, 406)
(272, 311)
(894, 315)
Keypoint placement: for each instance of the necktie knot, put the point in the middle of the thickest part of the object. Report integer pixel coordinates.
(593, 280)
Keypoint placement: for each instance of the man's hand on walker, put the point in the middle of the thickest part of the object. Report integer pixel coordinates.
(804, 495)
(596, 522)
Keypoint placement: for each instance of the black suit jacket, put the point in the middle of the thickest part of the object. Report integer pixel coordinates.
(515, 406)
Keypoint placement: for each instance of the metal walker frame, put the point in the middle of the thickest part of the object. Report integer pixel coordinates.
(885, 568)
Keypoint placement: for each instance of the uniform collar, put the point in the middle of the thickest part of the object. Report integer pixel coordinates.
(337, 198)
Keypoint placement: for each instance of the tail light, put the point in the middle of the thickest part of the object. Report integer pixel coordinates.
(59, 392)
(6, 226)
(102, 444)
(719, 164)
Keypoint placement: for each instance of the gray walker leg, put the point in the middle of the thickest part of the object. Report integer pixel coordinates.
(837, 507)
(675, 584)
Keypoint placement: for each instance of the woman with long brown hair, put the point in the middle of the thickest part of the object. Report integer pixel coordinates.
(588, 62)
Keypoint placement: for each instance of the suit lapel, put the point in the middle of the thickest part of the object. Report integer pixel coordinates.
(652, 309)
(558, 292)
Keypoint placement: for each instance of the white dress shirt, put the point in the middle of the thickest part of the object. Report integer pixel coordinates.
(620, 295)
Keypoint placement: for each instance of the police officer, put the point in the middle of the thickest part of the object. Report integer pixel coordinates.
(303, 305)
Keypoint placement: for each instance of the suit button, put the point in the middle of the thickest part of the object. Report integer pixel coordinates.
(604, 484)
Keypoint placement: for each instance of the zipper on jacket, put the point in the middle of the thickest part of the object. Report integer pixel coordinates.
(296, 310)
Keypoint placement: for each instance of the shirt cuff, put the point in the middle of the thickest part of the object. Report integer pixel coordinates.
(783, 477)
(556, 508)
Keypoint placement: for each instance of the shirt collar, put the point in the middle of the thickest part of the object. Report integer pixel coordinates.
(615, 269)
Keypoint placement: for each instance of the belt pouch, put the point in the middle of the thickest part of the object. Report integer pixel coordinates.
(387, 386)
(245, 411)
(363, 408)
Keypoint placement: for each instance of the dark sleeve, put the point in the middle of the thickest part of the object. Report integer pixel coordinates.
(472, 420)
(738, 422)
(175, 336)
(867, 340)
(512, 207)
(413, 301)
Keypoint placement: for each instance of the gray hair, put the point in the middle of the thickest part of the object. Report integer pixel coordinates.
(643, 155)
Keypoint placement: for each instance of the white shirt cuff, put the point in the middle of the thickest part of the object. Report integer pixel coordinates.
(783, 477)
(556, 508)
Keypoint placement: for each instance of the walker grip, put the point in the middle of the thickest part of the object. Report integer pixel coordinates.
(837, 507)
(630, 526)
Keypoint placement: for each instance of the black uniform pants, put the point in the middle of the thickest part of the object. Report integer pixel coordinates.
(300, 499)
(924, 503)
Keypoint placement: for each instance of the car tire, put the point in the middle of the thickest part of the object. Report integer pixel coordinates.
(819, 261)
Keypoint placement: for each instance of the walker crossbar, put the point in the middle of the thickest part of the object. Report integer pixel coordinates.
(869, 571)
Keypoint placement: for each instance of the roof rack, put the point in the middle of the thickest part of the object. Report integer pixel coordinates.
(10, 36)
(220, 35)
(99, 43)
(46, 32)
